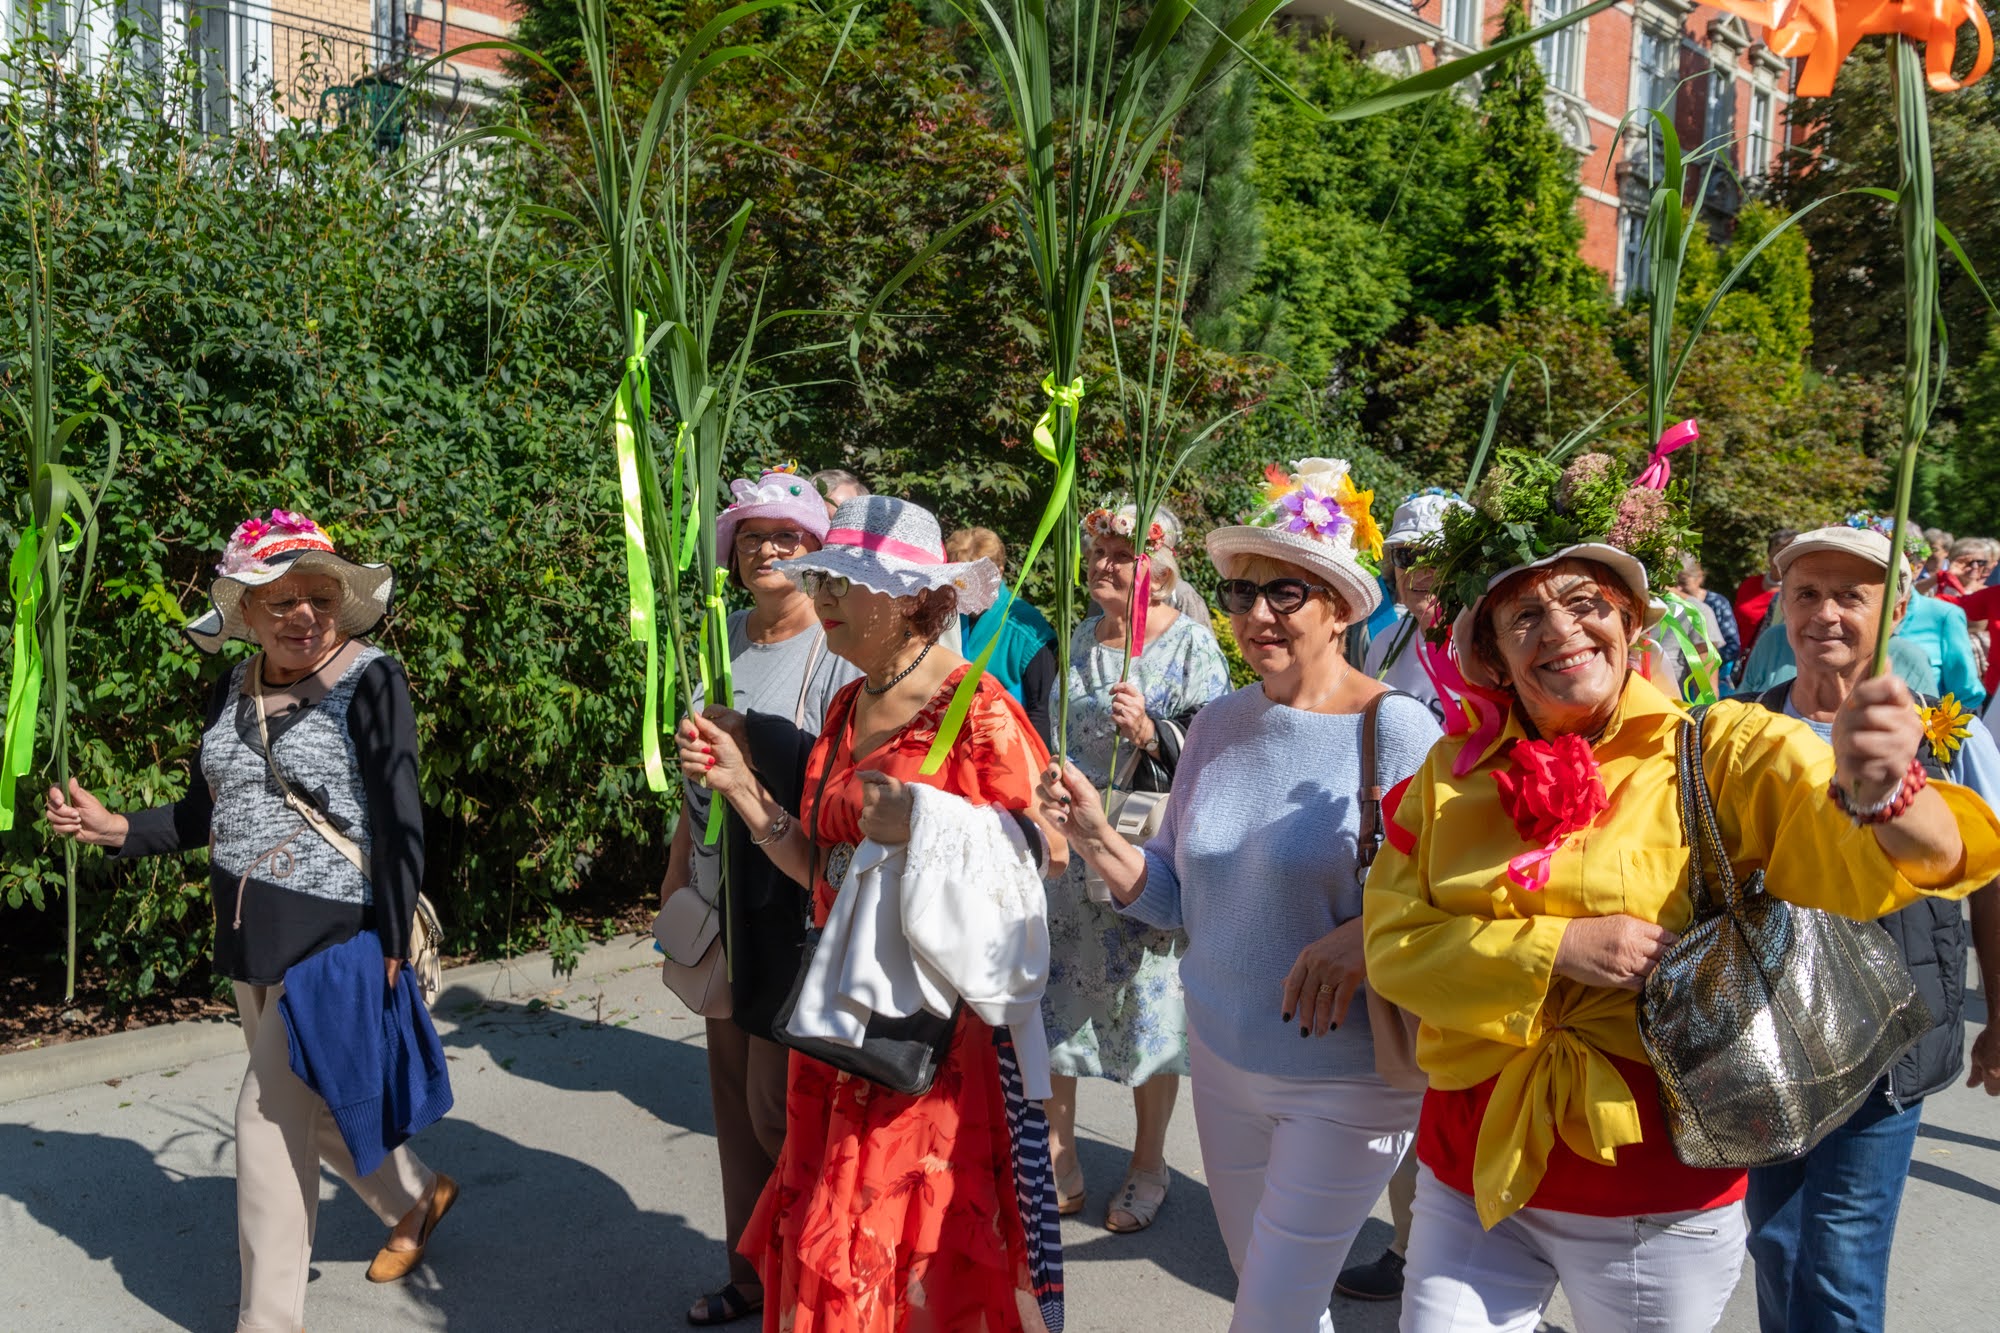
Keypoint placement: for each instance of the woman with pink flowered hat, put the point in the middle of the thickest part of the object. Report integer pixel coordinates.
(305, 796)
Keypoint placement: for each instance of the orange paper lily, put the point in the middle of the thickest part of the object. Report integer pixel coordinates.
(1824, 32)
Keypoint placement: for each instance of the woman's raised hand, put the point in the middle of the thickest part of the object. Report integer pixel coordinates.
(711, 752)
(1875, 736)
(1128, 713)
(84, 818)
(1323, 980)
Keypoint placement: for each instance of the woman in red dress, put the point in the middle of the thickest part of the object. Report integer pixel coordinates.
(891, 1213)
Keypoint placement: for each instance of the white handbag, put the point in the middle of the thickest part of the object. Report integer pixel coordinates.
(689, 931)
(1135, 816)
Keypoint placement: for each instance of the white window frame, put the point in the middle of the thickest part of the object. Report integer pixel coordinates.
(1463, 22)
(1760, 144)
(1561, 53)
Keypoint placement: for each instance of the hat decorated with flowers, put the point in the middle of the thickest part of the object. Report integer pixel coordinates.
(895, 547)
(263, 550)
(1528, 512)
(779, 492)
(1164, 533)
(1315, 517)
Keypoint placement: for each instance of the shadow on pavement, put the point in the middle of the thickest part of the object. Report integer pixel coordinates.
(573, 1051)
(1940, 1132)
(170, 1238)
(1933, 1174)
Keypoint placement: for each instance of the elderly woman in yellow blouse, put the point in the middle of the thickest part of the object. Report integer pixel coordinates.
(1535, 875)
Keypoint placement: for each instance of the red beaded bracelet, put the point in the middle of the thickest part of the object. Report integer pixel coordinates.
(1915, 779)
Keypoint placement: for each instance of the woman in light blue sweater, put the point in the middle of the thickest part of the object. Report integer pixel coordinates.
(1258, 861)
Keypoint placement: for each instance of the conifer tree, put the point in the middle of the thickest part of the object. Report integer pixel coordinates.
(1523, 235)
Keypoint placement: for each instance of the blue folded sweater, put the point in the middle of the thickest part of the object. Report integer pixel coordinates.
(383, 1079)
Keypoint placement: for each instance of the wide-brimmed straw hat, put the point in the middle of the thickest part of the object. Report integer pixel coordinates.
(778, 493)
(1315, 518)
(264, 550)
(895, 547)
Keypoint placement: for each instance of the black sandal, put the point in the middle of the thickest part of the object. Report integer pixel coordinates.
(722, 1307)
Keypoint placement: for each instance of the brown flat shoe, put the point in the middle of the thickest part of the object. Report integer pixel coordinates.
(391, 1264)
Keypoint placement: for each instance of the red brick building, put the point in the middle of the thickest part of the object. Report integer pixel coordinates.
(1705, 66)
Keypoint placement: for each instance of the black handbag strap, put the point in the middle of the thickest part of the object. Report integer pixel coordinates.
(1700, 827)
(1369, 840)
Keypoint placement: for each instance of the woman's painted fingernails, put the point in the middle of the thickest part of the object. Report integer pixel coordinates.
(1304, 1031)
(1287, 1015)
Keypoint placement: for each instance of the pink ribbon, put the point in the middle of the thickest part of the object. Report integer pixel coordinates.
(1142, 603)
(1654, 478)
(875, 541)
(1530, 870)
(1481, 712)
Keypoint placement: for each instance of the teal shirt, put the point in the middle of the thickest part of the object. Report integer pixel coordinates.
(1938, 628)
(1024, 632)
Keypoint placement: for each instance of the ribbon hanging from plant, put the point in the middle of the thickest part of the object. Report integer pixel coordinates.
(1690, 633)
(1066, 396)
(24, 691)
(630, 412)
(715, 630)
(1657, 471)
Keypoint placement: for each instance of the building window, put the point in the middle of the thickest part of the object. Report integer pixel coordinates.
(1461, 22)
(1653, 90)
(1632, 251)
(1762, 146)
(1721, 104)
(1561, 52)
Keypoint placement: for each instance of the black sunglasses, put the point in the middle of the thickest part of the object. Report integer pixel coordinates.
(1284, 596)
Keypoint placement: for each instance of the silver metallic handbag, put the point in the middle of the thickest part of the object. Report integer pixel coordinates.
(1767, 1023)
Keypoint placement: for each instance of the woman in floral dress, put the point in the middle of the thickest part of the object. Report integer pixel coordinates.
(1113, 1007)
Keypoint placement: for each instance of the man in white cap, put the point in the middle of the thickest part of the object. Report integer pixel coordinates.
(1821, 1226)
(1392, 654)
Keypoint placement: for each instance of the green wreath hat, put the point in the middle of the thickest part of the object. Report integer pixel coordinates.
(1528, 510)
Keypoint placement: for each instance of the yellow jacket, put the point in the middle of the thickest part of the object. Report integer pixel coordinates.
(1452, 939)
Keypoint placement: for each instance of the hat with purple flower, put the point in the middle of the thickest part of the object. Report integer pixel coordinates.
(264, 550)
(1314, 517)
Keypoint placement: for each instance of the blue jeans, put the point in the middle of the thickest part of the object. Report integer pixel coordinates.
(1821, 1227)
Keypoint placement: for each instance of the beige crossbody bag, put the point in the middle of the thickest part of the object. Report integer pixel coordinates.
(689, 927)
(426, 934)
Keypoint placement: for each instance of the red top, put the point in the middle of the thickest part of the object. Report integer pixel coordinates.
(1984, 604)
(889, 1213)
(1648, 1178)
(1753, 599)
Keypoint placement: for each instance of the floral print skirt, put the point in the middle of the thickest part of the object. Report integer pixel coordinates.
(895, 1214)
(1113, 1007)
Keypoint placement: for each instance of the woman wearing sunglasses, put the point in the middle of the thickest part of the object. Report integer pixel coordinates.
(781, 669)
(890, 1212)
(1258, 862)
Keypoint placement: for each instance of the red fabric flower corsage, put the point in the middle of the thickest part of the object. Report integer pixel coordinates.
(1550, 790)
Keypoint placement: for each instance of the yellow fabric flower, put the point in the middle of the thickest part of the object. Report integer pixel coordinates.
(1356, 504)
(1945, 727)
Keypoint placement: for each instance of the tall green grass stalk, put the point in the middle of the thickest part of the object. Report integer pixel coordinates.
(56, 545)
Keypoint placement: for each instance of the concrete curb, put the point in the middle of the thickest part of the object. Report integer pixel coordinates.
(75, 1064)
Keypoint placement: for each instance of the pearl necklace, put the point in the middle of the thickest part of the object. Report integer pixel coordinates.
(892, 682)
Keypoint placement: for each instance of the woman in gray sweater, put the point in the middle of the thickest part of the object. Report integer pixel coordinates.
(1258, 860)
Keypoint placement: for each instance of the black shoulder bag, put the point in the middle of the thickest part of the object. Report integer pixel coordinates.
(900, 1054)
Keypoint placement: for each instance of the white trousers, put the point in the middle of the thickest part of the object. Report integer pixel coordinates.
(1294, 1165)
(1670, 1273)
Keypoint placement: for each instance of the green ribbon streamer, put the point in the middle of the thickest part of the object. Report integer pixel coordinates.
(24, 692)
(1070, 396)
(1690, 631)
(629, 414)
(715, 630)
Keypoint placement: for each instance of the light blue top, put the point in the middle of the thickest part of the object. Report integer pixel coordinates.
(1255, 860)
(1773, 663)
(1939, 629)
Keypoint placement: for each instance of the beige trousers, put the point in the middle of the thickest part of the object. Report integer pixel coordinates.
(283, 1132)
(746, 1083)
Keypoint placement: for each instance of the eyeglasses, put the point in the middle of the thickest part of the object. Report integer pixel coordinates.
(1283, 596)
(1404, 556)
(835, 585)
(784, 541)
(323, 608)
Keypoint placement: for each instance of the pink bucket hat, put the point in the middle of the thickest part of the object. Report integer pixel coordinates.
(778, 493)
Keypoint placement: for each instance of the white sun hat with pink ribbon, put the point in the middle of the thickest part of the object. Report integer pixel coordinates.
(263, 550)
(895, 547)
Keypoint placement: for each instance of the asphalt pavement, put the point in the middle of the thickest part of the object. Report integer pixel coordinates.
(582, 1139)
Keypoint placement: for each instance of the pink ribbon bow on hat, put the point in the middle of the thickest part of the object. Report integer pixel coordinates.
(1654, 478)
